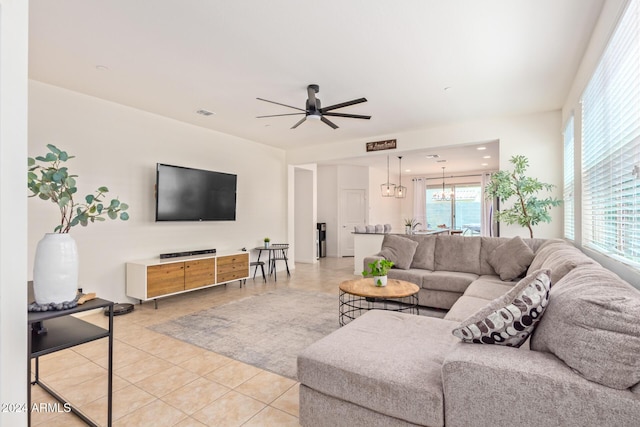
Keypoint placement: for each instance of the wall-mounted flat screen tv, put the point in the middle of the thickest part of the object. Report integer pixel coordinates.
(186, 194)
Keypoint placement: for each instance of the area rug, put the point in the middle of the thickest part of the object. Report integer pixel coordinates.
(266, 330)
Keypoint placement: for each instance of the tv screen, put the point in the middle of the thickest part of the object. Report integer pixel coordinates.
(185, 194)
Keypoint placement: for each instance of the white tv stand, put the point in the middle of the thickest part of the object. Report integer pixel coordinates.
(158, 278)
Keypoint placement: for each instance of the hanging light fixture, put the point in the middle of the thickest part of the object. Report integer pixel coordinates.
(443, 196)
(401, 192)
(388, 189)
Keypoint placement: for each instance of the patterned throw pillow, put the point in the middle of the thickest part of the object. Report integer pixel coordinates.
(511, 318)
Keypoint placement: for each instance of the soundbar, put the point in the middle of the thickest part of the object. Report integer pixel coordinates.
(188, 253)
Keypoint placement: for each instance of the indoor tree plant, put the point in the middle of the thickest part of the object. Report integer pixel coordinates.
(527, 210)
(379, 269)
(55, 273)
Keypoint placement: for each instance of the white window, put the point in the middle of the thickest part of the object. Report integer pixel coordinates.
(568, 190)
(611, 146)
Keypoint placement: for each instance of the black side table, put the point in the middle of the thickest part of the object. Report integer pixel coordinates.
(52, 331)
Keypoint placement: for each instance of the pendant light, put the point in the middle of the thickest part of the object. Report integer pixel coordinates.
(388, 189)
(443, 196)
(401, 192)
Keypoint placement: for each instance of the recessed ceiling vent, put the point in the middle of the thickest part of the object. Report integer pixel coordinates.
(205, 112)
(432, 156)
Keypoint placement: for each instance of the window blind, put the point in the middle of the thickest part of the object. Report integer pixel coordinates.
(569, 182)
(611, 146)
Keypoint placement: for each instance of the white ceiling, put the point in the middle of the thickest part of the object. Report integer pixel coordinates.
(497, 57)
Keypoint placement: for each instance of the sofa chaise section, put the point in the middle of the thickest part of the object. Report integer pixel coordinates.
(397, 379)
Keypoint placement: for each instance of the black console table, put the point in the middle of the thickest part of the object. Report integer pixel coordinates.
(52, 331)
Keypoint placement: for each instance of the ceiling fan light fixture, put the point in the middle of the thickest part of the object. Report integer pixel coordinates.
(314, 117)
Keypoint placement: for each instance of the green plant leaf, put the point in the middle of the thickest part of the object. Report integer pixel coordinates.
(114, 204)
(112, 214)
(99, 206)
(103, 189)
(124, 206)
(30, 161)
(124, 216)
(89, 198)
(53, 149)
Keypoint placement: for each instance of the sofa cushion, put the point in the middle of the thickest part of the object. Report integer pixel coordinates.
(593, 325)
(560, 258)
(511, 258)
(488, 288)
(385, 361)
(398, 249)
(458, 253)
(511, 318)
(425, 252)
(464, 307)
(452, 281)
(413, 275)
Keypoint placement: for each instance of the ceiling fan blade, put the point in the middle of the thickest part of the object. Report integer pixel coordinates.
(299, 123)
(344, 104)
(277, 103)
(279, 115)
(351, 116)
(329, 122)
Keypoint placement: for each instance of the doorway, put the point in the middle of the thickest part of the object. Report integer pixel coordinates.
(352, 212)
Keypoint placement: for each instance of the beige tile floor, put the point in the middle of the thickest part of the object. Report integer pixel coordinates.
(160, 381)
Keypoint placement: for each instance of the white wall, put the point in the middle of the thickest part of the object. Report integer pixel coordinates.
(537, 136)
(13, 209)
(305, 215)
(119, 147)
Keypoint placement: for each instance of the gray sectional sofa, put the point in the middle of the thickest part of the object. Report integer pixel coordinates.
(581, 366)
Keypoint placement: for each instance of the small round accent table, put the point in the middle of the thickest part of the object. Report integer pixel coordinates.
(360, 295)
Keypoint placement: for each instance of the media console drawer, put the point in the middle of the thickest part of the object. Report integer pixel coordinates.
(155, 278)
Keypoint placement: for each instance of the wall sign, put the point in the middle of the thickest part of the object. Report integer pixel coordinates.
(389, 144)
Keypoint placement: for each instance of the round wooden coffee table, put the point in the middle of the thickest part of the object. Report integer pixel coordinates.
(360, 295)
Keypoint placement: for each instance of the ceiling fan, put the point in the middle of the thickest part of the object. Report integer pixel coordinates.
(315, 112)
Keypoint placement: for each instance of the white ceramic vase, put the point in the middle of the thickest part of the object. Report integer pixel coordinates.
(55, 269)
(380, 280)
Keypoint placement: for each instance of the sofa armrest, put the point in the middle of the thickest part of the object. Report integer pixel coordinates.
(493, 385)
(369, 259)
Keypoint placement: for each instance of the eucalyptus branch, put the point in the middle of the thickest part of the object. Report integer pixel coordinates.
(53, 182)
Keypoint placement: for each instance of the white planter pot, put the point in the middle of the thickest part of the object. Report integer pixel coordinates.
(380, 280)
(55, 269)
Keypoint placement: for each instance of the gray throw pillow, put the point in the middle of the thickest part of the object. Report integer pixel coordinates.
(511, 318)
(511, 258)
(592, 324)
(398, 249)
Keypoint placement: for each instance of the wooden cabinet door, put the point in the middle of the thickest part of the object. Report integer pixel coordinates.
(165, 279)
(232, 267)
(199, 273)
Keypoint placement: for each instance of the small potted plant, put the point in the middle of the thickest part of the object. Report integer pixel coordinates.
(410, 224)
(379, 269)
(266, 242)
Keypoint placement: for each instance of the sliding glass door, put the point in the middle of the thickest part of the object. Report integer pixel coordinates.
(457, 207)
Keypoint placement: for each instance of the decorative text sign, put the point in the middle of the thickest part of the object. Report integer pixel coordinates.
(389, 144)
